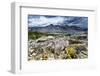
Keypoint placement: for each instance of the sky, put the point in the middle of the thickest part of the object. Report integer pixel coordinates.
(44, 20)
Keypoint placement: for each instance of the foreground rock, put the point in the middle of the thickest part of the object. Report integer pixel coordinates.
(48, 48)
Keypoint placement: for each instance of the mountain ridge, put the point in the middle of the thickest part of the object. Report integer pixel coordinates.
(57, 29)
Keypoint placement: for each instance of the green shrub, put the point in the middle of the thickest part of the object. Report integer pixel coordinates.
(71, 52)
(36, 35)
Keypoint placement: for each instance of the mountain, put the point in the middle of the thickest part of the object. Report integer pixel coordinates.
(57, 29)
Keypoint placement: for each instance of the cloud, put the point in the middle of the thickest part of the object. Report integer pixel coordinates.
(45, 21)
(41, 21)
